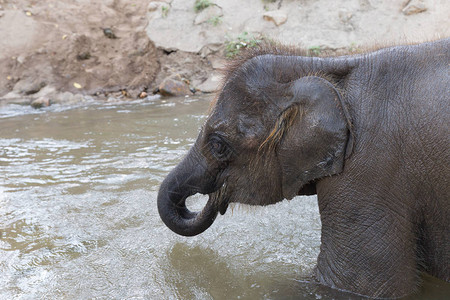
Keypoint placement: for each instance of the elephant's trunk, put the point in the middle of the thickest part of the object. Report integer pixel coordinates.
(188, 178)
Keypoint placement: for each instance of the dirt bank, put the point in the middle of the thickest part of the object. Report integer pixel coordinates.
(79, 46)
(58, 49)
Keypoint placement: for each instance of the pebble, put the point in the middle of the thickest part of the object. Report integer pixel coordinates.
(40, 102)
(109, 33)
(414, 7)
(277, 16)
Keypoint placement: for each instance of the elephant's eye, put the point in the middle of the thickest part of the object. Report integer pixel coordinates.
(218, 148)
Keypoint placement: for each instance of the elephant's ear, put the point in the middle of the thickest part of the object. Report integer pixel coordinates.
(312, 135)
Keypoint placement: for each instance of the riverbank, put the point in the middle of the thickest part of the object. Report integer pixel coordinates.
(66, 52)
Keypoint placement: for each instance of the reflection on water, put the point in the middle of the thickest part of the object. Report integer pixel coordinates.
(78, 214)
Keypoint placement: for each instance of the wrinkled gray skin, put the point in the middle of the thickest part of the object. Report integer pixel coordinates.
(369, 134)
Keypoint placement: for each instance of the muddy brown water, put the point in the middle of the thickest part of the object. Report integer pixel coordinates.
(78, 217)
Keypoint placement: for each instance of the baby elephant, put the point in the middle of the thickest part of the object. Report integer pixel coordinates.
(369, 134)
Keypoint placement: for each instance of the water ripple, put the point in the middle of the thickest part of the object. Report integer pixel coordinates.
(78, 216)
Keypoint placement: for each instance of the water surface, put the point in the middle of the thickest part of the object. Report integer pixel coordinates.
(78, 217)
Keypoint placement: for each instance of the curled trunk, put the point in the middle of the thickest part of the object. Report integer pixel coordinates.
(188, 178)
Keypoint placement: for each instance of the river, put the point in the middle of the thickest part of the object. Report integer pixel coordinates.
(78, 216)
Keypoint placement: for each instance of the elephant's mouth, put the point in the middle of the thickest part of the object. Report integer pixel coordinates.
(221, 198)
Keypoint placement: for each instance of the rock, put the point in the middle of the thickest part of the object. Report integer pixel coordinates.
(414, 7)
(62, 98)
(177, 31)
(125, 93)
(21, 59)
(277, 16)
(210, 49)
(174, 86)
(40, 102)
(133, 93)
(217, 62)
(109, 33)
(310, 23)
(212, 11)
(78, 98)
(211, 84)
(46, 91)
(29, 86)
(66, 97)
(12, 96)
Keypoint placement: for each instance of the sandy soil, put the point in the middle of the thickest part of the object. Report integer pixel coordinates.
(62, 45)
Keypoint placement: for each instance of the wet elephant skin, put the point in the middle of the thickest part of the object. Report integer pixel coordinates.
(369, 134)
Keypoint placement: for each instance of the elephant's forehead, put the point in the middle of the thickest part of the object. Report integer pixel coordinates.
(238, 123)
(219, 120)
(232, 106)
(236, 112)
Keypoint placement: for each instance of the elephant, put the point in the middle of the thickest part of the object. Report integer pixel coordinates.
(367, 133)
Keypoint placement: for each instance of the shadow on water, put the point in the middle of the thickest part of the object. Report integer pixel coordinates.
(201, 273)
(196, 272)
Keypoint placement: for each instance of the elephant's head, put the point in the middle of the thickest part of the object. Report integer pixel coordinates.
(268, 137)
